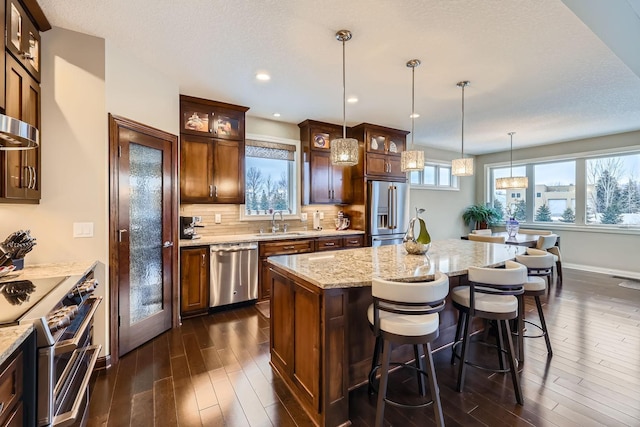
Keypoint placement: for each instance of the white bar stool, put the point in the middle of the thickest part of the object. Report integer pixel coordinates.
(491, 295)
(407, 313)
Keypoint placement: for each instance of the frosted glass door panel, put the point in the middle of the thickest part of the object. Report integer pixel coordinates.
(145, 240)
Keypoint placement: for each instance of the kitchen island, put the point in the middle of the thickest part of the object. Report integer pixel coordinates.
(321, 343)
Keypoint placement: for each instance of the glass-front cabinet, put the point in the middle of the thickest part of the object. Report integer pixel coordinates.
(22, 38)
(214, 122)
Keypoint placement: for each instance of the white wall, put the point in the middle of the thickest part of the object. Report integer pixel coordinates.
(139, 92)
(596, 250)
(444, 207)
(259, 126)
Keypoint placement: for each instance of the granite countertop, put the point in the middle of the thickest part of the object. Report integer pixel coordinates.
(355, 267)
(257, 237)
(11, 338)
(42, 271)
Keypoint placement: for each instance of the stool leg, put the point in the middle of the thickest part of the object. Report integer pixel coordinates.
(433, 385)
(512, 364)
(544, 326)
(559, 272)
(382, 391)
(520, 326)
(463, 354)
(374, 362)
(500, 347)
(422, 391)
(459, 326)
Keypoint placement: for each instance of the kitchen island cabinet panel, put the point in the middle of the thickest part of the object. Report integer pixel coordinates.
(282, 317)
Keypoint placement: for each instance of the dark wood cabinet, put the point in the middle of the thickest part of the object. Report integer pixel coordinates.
(211, 151)
(21, 168)
(356, 241)
(322, 182)
(22, 38)
(194, 281)
(18, 385)
(329, 243)
(382, 149)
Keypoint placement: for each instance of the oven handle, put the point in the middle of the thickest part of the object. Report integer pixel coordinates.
(72, 343)
(69, 418)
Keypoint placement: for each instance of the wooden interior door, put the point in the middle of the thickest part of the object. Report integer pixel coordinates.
(143, 232)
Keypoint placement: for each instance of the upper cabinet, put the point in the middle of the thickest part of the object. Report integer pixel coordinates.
(322, 182)
(20, 177)
(211, 151)
(383, 147)
(22, 38)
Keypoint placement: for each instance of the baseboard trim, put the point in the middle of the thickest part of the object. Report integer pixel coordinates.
(103, 363)
(610, 271)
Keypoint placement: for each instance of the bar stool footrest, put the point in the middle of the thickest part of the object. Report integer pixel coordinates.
(374, 389)
(482, 367)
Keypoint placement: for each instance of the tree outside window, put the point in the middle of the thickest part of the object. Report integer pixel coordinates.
(613, 190)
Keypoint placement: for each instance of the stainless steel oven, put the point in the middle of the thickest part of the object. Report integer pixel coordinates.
(61, 310)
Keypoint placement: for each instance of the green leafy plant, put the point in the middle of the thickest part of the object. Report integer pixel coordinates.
(479, 214)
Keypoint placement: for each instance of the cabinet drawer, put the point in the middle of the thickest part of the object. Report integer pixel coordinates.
(286, 247)
(328, 243)
(10, 387)
(353, 241)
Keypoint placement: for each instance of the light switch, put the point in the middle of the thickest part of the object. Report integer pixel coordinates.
(83, 229)
(321, 215)
(217, 218)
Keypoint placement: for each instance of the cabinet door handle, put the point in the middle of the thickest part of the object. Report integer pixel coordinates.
(24, 180)
(211, 191)
(33, 182)
(352, 242)
(215, 190)
(329, 194)
(27, 55)
(288, 247)
(203, 260)
(329, 244)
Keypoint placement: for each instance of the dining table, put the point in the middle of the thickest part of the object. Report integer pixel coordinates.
(520, 239)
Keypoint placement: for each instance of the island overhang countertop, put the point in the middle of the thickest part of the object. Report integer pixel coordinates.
(356, 267)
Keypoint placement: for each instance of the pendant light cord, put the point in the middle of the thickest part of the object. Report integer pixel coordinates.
(344, 94)
(462, 152)
(511, 156)
(413, 101)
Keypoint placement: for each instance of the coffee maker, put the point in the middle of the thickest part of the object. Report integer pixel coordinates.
(188, 225)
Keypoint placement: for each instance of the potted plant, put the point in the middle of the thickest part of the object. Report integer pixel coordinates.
(480, 216)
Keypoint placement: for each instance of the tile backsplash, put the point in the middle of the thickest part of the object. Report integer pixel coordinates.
(231, 224)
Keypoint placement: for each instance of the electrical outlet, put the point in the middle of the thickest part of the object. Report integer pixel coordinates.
(321, 215)
(197, 218)
(217, 218)
(303, 216)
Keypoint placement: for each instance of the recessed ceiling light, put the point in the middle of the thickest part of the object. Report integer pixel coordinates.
(263, 77)
(276, 114)
(414, 116)
(352, 99)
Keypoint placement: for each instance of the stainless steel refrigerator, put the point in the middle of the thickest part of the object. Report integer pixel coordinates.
(388, 210)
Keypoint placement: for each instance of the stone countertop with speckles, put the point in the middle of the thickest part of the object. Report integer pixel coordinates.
(257, 237)
(355, 267)
(42, 271)
(11, 337)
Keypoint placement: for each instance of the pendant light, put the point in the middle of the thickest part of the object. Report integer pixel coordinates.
(512, 182)
(16, 134)
(344, 151)
(462, 166)
(412, 160)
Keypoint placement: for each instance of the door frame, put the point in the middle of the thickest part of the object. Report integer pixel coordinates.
(115, 124)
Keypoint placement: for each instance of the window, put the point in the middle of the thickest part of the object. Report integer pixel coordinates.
(270, 179)
(613, 190)
(512, 204)
(607, 194)
(435, 176)
(556, 184)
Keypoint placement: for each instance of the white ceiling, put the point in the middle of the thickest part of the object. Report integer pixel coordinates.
(535, 68)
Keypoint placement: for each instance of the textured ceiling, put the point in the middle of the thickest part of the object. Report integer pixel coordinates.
(534, 67)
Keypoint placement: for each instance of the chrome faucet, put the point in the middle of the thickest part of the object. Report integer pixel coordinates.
(275, 227)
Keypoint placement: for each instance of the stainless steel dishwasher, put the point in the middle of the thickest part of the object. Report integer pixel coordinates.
(234, 273)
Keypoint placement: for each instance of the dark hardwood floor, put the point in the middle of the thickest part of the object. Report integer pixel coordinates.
(214, 371)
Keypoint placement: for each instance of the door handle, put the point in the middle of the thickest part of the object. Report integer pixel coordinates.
(124, 230)
(168, 244)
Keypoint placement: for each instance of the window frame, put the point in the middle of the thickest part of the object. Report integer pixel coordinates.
(295, 180)
(580, 200)
(455, 181)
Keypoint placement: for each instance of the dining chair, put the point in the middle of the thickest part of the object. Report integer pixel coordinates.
(488, 239)
(530, 231)
(548, 243)
(483, 232)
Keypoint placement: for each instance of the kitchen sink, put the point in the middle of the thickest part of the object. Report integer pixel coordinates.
(287, 233)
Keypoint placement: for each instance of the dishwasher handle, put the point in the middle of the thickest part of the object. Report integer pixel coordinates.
(234, 248)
